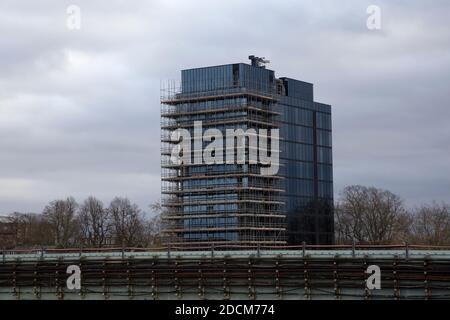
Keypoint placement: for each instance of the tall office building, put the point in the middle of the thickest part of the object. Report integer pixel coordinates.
(242, 203)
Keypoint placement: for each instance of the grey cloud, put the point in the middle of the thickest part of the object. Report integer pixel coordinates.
(79, 110)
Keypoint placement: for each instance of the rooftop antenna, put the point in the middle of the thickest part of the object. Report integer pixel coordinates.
(258, 61)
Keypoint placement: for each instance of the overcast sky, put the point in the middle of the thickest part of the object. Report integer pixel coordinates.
(79, 109)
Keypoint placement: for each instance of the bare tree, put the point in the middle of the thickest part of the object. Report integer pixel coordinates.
(370, 215)
(32, 230)
(127, 222)
(94, 223)
(60, 214)
(431, 224)
(152, 226)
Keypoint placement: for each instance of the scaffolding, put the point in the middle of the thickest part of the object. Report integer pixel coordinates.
(219, 204)
(291, 272)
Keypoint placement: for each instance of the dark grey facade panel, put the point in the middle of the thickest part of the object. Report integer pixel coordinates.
(298, 89)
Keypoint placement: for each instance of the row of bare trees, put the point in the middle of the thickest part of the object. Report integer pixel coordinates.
(374, 216)
(65, 223)
(364, 215)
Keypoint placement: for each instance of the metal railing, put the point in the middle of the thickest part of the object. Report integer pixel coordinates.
(406, 247)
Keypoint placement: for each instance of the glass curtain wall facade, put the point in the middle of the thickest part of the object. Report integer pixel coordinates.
(307, 165)
(234, 204)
